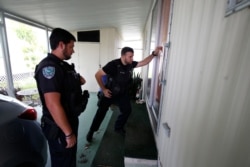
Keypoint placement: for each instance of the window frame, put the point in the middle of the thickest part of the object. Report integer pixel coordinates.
(5, 48)
(234, 6)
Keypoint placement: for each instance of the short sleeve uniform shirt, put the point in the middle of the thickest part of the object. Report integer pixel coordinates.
(115, 66)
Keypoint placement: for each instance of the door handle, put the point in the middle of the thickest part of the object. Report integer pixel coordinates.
(163, 82)
(167, 128)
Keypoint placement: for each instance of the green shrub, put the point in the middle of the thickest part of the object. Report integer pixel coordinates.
(135, 85)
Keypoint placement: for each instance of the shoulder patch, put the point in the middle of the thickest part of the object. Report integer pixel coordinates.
(49, 72)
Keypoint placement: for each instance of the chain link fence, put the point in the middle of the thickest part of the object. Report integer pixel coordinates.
(18, 79)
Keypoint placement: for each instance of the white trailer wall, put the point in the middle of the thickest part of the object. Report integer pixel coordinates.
(206, 102)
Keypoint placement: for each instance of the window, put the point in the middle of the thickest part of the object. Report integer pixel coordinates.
(23, 44)
(27, 46)
(152, 98)
(236, 5)
(157, 69)
(153, 43)
(3, 81)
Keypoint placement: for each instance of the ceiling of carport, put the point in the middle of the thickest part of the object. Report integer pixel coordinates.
(127, 16)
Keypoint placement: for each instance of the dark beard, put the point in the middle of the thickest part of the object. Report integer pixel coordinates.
(66, 57)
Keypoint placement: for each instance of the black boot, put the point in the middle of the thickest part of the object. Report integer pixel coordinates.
(90, 136)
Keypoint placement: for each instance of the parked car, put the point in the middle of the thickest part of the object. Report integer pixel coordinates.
(22, 142)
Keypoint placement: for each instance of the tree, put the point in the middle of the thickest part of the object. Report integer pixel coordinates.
(31, 48)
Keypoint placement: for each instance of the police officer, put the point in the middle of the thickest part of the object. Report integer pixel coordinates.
(115, 91)
(53, 76)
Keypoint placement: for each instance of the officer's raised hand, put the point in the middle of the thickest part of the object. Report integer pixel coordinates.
(148, 59)
(157, 51)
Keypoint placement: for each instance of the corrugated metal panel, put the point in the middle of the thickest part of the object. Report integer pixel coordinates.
(206, 102)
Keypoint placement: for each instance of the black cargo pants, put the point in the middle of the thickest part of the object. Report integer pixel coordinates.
(123, 102)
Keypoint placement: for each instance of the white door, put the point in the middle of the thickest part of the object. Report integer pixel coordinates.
(86, 59)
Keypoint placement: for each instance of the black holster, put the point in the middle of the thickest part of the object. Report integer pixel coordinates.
(78, 107)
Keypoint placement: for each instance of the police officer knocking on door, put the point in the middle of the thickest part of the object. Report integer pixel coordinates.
(115, 91)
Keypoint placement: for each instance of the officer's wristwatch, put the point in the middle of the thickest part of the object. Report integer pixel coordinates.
(153, 53)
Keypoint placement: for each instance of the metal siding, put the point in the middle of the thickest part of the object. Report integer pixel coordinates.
(206, 102)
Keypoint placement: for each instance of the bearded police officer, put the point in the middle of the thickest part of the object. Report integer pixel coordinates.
(115, 91)
(59, 88)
